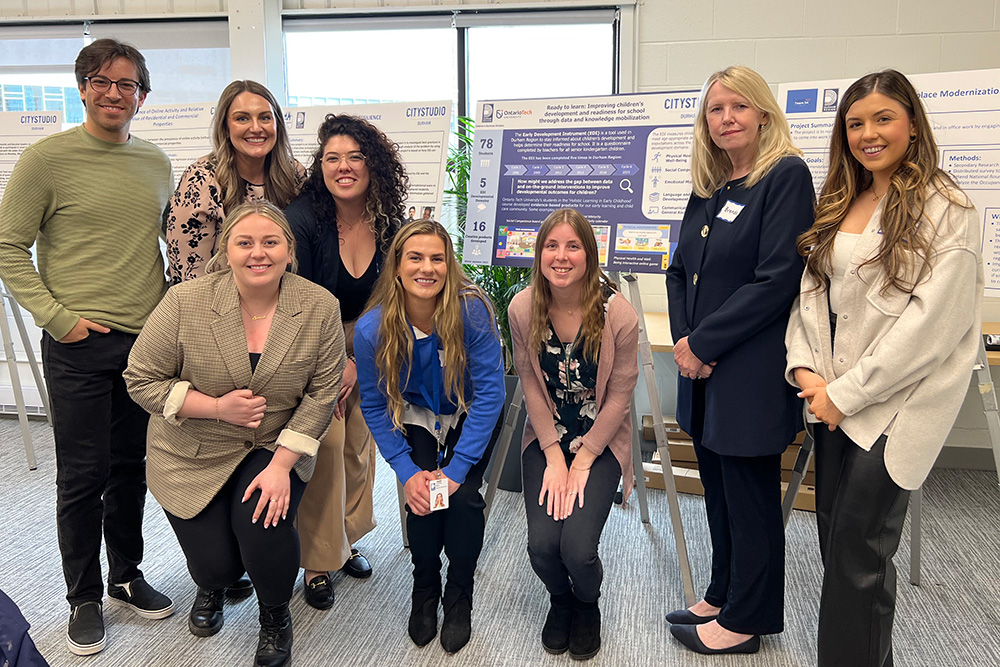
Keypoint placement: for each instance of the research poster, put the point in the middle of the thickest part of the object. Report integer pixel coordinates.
(964, 112)
(622, 161)
(420, 129)
(182, 131)
(20, 129)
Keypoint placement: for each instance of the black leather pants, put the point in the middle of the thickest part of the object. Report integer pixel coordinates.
(860, 512)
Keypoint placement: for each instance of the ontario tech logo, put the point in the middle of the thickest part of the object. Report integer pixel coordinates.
(801, 101)
(830, 97)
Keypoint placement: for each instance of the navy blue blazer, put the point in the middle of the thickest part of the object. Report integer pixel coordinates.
(730, 288)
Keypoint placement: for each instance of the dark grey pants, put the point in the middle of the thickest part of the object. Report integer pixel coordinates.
(859, 512)
(564, 553)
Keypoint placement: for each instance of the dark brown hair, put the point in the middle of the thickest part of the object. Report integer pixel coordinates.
(100, 52)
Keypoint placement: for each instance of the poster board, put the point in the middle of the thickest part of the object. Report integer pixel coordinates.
(964, 112)
(622, 161)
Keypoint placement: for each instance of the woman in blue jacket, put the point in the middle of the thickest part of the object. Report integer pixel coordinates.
(730, 286)
(430, 371)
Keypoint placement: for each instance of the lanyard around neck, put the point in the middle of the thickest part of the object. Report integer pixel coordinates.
(430, 364)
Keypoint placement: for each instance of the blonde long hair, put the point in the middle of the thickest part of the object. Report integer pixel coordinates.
(591, 293)
(903, 238)
(711, 167)
(282, 182)
(394, 347)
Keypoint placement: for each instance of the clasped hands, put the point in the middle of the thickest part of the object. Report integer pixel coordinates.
(814, 391)
(417, 490)
(689, 365)
(563, 485)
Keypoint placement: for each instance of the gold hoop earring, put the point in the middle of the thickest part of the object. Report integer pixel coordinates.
(913, 138)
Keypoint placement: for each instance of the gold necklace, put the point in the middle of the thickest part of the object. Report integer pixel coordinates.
(875, 195)
(253, 317)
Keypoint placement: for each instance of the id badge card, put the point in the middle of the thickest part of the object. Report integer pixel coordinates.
(439, 494)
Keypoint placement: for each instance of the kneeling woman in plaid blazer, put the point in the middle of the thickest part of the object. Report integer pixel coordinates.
(240, 370)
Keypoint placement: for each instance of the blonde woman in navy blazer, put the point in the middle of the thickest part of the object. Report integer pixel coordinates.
(730, 286)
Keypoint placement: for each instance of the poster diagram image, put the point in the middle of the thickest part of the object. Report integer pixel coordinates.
(518, 242)
(649, 240)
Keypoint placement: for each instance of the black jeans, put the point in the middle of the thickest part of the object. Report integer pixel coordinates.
(564, 553)
(100, 438)
(743, 501)
(221, 543)
(859, 512)
(458, 529)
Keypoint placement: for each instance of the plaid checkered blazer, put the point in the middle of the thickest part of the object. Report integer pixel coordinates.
(196, 335)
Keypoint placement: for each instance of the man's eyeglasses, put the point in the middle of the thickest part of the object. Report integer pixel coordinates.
(102, 84)
(355, 159)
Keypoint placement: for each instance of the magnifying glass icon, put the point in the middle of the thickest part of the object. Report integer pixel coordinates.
(626, 186)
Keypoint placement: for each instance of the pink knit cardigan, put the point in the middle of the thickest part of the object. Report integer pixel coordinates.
(617, 372)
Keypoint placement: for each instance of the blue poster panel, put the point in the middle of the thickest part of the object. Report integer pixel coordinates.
(623, 161)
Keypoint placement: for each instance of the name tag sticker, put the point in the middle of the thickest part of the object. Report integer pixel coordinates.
(730, 211)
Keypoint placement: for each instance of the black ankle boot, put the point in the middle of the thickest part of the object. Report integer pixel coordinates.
(274, 647)
(555, 632)
(205, 618)
(585, 630)
(423, 624)
(457, 626)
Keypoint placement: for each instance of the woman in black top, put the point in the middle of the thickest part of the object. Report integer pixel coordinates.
(344, 220)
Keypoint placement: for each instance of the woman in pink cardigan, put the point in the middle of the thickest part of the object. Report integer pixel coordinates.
(575, 340)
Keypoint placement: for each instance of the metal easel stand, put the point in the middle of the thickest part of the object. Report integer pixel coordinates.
(499, 456)
(988, 394)
(15, 378)
(660, 433)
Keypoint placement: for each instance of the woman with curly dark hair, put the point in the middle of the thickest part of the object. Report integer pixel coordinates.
(344, 220)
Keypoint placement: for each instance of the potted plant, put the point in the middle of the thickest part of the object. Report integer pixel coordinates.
(500, 283)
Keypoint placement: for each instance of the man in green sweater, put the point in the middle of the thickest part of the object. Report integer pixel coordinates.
(91, 199)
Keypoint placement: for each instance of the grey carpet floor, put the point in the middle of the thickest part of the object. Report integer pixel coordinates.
(952, 619)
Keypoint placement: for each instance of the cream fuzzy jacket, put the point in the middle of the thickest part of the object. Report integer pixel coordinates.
(901, 362)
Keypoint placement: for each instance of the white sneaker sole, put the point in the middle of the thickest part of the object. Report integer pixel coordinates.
(153, 614)
(86, 649)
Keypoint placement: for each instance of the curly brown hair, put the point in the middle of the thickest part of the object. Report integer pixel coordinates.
(387, 182)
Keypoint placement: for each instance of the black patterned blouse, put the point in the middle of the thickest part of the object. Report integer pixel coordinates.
(570, 379)
(194, 216)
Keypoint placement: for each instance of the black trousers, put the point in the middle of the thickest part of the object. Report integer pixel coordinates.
(564, 553)
(221, 543)
(100, 444)
(859, 512)
(743, 502)
(458, 529)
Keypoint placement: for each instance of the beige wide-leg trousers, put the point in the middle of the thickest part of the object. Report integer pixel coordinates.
(337, 507)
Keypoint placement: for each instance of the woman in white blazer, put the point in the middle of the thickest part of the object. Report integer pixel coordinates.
(881, 342)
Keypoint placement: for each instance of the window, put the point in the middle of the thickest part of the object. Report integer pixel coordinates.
(362, 61)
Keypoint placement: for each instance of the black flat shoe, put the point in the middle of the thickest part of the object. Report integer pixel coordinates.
(688, 617)
(357, 566)
(457, 626)
(688, 635)
(206, 616)
(318, 592)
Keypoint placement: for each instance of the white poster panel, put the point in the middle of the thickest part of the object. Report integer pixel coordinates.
(182, 131)
(622, 161)
(420, 129)
(20, 129)
(964, 111)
